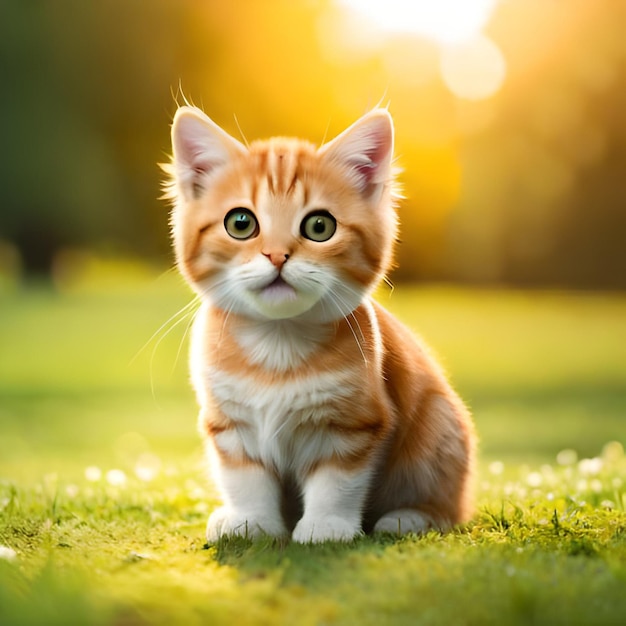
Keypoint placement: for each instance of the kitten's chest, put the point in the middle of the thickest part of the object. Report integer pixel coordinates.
(286, 394)
(288, 423)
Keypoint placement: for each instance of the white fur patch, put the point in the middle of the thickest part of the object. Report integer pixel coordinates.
(251, 504)
(279, 424)
(333, 501)
(280, 345)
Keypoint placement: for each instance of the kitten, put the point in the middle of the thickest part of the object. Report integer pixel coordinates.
(324, 417)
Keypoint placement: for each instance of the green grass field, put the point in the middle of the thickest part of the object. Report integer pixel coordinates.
(104, 496)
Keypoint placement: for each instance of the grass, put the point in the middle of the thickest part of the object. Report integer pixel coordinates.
(103, 497)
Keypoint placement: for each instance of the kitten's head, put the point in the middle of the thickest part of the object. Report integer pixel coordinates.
(282, 229)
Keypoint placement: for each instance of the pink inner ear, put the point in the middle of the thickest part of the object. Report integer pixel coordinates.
(367, 165)
(365, 148)
(200, 146)
(196, 152)
(196, 148)
(201, 163)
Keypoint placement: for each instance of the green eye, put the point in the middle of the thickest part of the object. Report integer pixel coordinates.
(318, 226)
(241, 224)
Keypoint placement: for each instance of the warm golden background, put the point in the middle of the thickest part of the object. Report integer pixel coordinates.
(510, 118)
(511, 131)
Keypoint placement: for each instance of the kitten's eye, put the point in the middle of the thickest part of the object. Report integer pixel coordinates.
(318, 226)
(241, 224)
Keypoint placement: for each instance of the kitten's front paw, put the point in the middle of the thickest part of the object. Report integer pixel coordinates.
(331, 528)
(226, 522)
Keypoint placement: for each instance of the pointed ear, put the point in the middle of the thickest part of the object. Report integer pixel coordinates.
(200, 146)
(365, 150)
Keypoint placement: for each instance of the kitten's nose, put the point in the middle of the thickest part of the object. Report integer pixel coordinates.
(277, 259)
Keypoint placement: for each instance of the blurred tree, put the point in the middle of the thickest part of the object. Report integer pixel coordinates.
(87, 87)
(91, 93)
(545, 196)
(532, 193)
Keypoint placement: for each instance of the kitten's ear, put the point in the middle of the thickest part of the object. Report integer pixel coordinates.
(200, 146)
(365, 150)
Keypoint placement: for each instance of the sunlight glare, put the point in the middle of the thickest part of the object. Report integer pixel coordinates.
(444, 21)
(474, 70)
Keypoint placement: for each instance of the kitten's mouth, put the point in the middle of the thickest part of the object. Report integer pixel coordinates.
(279, 290)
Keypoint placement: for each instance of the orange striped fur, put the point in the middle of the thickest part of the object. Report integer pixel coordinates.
(324, 416)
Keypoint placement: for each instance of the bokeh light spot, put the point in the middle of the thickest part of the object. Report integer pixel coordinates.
(473, 70)
(445, 21)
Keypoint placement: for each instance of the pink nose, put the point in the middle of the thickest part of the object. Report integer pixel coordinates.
(277, 259)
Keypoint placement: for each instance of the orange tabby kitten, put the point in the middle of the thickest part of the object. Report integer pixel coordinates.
(323, 415)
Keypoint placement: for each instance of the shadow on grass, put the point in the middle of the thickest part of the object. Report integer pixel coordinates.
(301, 564)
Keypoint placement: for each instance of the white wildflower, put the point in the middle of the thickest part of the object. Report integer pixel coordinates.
(496, 468)
(590, 467)
(534, 479)
(7, 554)
(93, 474)
(72, 491)
(567, 457)
(116, 477)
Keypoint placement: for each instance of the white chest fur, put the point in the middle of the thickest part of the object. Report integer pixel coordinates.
(283, 424)
(280, 345)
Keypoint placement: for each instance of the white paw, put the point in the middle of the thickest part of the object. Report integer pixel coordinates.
(330, 528)
(404, 521)
(227, 522)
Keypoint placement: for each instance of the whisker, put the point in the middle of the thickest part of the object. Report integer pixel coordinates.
(325, 133)
(179, 321)
(227, 303)
(192, 319)
(356, 339)
(245, 140)
(181, 312)
(356, 321)
(170, 270)
(279, 429)
(389, 284)
(346, 316)
(223, 327)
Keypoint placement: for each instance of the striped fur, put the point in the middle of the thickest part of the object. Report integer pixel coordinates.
(324, 416)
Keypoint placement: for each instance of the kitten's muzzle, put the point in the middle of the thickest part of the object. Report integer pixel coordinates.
(279, 281)
(278, 288)
(277, 259)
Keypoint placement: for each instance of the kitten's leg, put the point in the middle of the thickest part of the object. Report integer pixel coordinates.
(251, 503)
(428, 488)
(333, 503)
